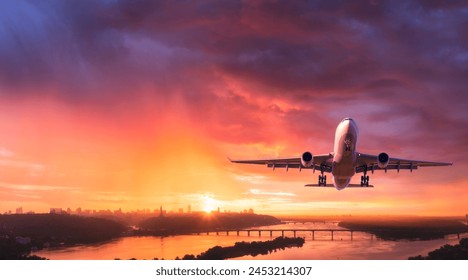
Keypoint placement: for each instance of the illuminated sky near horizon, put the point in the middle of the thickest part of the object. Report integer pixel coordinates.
(137, 104)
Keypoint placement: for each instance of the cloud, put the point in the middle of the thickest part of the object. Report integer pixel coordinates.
(20, 164)
(25, 187)
(98, 84)
(298, 54)
(261, 192)
(5, 152)
(31, 196)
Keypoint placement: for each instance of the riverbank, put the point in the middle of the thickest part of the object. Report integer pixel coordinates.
(447, 252)
(241, 249)
(23, 234)
(407, 228)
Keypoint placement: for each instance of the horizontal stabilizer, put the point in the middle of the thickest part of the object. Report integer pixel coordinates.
(332, 186)
(320, 186)
(359, 186)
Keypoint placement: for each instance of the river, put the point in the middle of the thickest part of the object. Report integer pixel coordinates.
(363, 246)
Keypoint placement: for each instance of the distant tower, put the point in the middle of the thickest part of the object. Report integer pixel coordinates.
(19, 210)
(189, 209)
(160, 211)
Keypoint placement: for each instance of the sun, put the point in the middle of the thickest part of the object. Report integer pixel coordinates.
(209, 204)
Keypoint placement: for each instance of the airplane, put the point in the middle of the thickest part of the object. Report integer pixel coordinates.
(345, 161)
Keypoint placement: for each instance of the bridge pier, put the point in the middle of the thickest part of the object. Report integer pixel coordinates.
(294, 233)
(271, 233)
(237, 233)
(227, 233)
(282, 233)
(313, 235)
(332, 231)
(259, 233)
(248, 233)
(351, 235)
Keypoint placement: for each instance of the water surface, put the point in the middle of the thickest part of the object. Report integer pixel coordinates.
(363, 246)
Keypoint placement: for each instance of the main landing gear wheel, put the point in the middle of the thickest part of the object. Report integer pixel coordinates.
(322, 180)
(364, 181)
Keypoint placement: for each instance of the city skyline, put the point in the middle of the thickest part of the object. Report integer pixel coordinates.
(107, 105)
(159, 211)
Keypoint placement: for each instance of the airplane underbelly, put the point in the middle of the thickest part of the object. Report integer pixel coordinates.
(343, 169)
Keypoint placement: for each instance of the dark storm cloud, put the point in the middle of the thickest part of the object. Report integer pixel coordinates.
(319, 56)
(326, 45)
(43, 47)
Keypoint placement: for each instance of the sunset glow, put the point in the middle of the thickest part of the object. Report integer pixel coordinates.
(108, 105)
(209, 204)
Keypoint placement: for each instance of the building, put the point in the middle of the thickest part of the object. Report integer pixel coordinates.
(55, 211)
(19, 210)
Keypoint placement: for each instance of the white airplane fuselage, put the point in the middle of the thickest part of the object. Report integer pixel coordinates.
(344, 153)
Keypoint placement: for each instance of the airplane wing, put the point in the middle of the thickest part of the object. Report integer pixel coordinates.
(367, 162)
(320, 162)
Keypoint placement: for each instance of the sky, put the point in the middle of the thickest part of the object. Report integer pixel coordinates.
(139, 104)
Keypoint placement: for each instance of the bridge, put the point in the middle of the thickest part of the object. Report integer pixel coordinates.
(249, 232)
(283, 231)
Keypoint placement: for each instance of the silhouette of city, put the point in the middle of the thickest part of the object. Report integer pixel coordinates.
(161, 211)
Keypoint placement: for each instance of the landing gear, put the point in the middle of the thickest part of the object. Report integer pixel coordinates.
(322, 179)
(364, 180)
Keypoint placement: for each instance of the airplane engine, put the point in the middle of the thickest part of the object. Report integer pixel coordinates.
(307, 159)
(382, 160)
